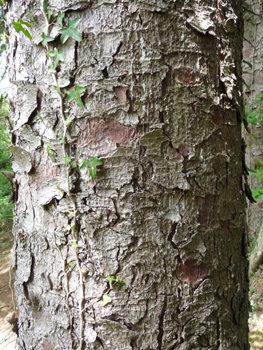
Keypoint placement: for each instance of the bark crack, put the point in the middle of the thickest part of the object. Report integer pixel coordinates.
(160, 326)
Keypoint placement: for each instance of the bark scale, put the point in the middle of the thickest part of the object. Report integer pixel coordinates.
(165, 214)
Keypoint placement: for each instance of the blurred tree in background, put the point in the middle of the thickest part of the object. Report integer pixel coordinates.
(5, 164)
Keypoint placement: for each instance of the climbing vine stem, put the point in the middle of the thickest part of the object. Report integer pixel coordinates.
(74, 226)
(66, 32)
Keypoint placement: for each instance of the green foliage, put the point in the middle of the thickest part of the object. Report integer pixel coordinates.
(6, 208)
(48, 11)
(75, 95)
(62, 140)
(92, 165)
(31, 16)
(46, 39)
(67, 161)
(68, 121)
(254, 113)
(49, 153)
(74, 245)
(19, 27)
(60, 18)
(70, 31)
(257, 193)
(58, 56)
(106, 299)
(251, 291)
(254, 116)
(4, 41)
(253, 244)
(113, 280)
(254, 307)
(4, 151)
(110, 279)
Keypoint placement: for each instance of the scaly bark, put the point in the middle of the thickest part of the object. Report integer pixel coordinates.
(165, 214)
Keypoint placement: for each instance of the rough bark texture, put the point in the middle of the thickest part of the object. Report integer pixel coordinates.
(166, 210)
(252, 53)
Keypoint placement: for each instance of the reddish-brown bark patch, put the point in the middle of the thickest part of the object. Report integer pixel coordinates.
(121, 93)
(180, 153)
(217, 116)
(205, 210)
(96, 135)
(46, 345)
(183, 150)
(217, 119)
(177, 156)
(191, 271)
(187, 77)
(46, 171)
(224, 225)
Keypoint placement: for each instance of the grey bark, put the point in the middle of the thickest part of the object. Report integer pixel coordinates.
(163, 110)
(252, 52)
(256, 256)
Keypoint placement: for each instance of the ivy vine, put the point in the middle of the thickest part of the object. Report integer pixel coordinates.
(55, 57)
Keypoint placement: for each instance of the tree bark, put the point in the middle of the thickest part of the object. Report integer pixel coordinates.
(165, 213)
(252, 54)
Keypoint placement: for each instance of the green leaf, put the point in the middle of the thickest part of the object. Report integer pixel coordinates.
(121, 284)
(60, 18)
(62, 140)
(19, 28)
(248, 63)
(70, 31)
(58, 89)
(73, 164)
(110, 279)
(60, 190)
(58, 56)
(46, 39)
(71, 265)
(51, 69)
(93, 164)
(48, 152)
(85, 163)
(251, 171)
(68, 121)
(74, 245)
(49, 14)
(31, 17)
(67, 161)
(45, 4)
(75, 95)
(106, 300)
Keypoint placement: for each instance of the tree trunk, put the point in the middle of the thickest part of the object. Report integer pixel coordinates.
(165, 213)
(252, 52)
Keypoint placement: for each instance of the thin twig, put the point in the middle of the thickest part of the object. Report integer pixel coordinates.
(67, 290)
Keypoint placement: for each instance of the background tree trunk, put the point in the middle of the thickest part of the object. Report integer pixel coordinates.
(165, 214)
(252, 52)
